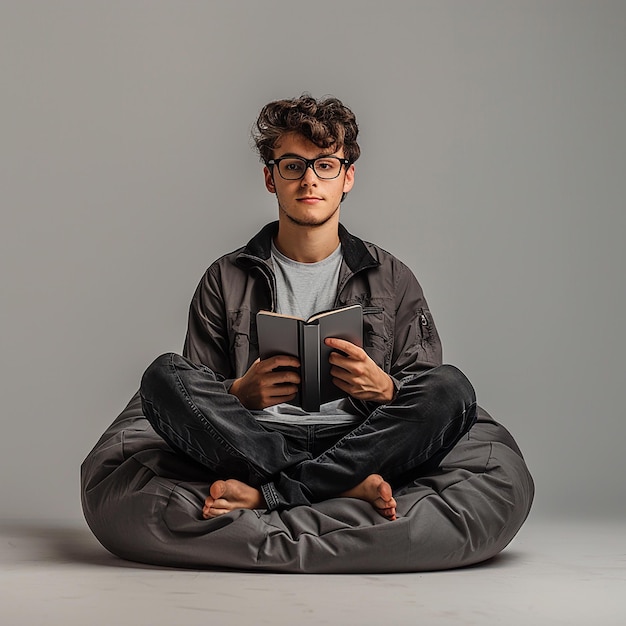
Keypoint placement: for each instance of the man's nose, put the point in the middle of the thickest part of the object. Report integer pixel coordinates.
(310, 177)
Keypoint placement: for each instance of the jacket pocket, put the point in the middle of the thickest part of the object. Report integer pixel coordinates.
(376, 337)
(428, 337)
(243, 340)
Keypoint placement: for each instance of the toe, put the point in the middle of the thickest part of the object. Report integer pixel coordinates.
(218, 489)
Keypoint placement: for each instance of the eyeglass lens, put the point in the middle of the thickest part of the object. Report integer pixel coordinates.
(295, 168)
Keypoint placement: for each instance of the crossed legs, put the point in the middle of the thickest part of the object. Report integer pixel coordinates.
(194, 413)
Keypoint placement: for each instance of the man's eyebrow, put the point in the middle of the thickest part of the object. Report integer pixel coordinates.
(299, 156)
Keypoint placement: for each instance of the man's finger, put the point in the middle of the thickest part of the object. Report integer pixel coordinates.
(286, 392)
(282, 377)
(346, 347)
(280, 360)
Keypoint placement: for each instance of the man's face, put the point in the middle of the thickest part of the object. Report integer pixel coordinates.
(309, 201)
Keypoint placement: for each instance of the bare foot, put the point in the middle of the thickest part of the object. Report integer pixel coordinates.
(377, 491)
(231, 494)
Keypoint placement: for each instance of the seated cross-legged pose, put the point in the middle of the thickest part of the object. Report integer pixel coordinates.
(230, 411)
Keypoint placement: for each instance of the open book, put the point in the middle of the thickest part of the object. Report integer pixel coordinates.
(304, 339)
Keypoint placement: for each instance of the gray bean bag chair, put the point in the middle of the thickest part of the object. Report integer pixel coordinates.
(143, 502)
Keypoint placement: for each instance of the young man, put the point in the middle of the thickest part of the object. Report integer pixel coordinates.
(228, 410)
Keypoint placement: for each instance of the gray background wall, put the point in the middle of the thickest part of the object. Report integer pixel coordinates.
(494, 164)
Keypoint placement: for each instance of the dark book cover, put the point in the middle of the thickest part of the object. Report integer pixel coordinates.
(304, 339)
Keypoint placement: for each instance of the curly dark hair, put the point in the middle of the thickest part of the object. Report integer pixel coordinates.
(326, 122)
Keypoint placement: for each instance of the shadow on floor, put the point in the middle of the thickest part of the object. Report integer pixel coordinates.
(24, 543)
(28, 542)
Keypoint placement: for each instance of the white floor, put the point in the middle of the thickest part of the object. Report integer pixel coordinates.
(553, 573)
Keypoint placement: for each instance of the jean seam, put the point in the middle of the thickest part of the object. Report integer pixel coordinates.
(353, 432)
(164, 426)
(409, 465)
(207, 425)
(349, 435)
(310, 439)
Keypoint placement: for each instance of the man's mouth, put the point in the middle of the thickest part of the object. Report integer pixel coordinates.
(310, 199)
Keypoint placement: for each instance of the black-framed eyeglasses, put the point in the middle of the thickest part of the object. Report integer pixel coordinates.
(294, 167)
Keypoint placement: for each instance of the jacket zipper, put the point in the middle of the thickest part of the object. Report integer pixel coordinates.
(423, 320)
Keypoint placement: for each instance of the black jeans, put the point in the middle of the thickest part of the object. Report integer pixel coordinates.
(196, 415)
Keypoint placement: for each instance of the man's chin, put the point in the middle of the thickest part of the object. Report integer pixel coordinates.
(310, 221)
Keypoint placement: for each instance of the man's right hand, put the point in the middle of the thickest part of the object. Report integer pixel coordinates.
(262, 386)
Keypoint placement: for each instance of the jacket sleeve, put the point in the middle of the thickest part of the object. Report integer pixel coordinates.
(416, 344)
(206, 341)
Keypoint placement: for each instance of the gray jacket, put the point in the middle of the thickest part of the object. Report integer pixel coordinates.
(399, 333)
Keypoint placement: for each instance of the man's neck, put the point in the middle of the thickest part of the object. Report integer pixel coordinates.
(307, 244)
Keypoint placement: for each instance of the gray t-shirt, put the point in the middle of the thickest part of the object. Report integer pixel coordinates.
(303, 289)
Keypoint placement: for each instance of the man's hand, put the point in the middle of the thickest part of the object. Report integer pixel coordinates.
(356, 373)
(261, 386)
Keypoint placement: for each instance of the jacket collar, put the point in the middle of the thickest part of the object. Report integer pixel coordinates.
(355, 253)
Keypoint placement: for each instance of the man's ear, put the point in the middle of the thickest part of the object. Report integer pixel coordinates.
(348, 182)
(269, 180)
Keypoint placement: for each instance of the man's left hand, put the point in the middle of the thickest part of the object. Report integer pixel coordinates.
(356, 373)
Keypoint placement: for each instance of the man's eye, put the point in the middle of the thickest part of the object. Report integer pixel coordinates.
(325, 165)
(293, 166)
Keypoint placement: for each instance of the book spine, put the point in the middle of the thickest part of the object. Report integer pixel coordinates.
(310, 366)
